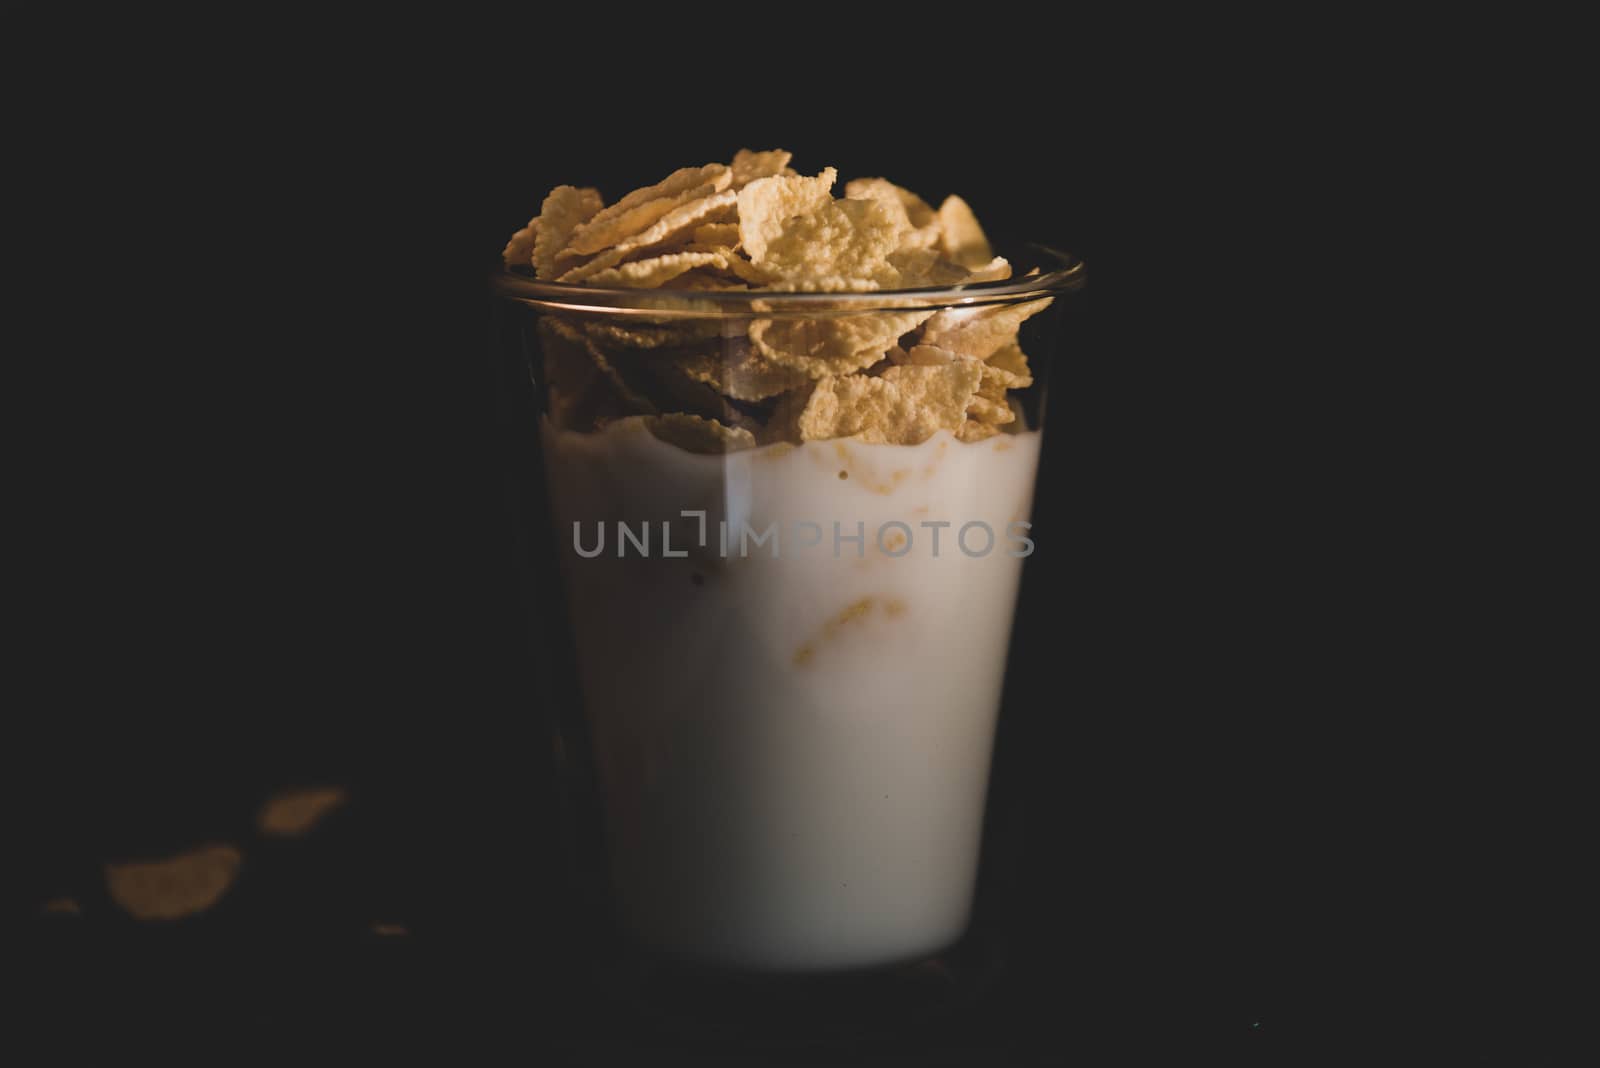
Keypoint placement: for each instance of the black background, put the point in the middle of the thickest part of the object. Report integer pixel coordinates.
(283, 551)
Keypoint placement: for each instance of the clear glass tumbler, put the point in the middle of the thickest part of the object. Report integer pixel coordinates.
(775, 651)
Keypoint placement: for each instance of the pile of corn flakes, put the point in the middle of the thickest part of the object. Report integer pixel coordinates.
(896, 374)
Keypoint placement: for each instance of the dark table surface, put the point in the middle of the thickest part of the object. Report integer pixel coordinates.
(407, 918)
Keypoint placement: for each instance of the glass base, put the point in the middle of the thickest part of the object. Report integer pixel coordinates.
(726, 1008)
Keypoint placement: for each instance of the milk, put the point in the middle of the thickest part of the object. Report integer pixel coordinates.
(793, 752)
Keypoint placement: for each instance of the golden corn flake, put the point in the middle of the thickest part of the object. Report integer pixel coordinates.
(1021, 422)
(766, 204)
(923, 228)
(884, 376)
(979, 332)
(640, 210)
(736, 370)
(678, 222)
(975, 430)
(748, 165)
(564, 210)
(178, 886)
(519, 250)
(991, 411)
(962, 238)
(653, 272)
(940, 388)
(842, 246)
(1006, 369)
(1009, 364)
(295, 812)
(696, 246)
(682, 221)
(705, 280)
(904, 406)
(746, 271)
(679, 391)
(629, 335)
(571, 338)
(679, 181)
(882, 191)
(694, 434)
(929, 356)
(917, 268)
(571, 379)
(988, 402)
(717, 234)
(624, 390)
(593, 237)
(833, 346)
(996, 270)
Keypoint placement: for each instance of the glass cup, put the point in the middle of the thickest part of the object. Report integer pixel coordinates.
(775, 650)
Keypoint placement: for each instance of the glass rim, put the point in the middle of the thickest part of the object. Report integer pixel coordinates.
(1065, 275)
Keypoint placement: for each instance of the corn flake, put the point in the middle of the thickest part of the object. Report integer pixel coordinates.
(962, 238)
(653, 272)
(571, 381)
(679, 181)
(832, 346)
(694, 434)
(519, 250)
(928, 356)
(979, 332)
(989, 401)
(717, 234)
(1009, 364)
(296, 812)
(736, 370)
(923, 228)
(680, 392)
(705, 280)
(989, 410)
(841, 246)
(642, 336)
(675, 224)
(921, 267)
(594, 237)
(175, 887)
(767, 203)
(904, 406)
(884, 376)
(574, 340)
(996, 270)
(975, 430)
(748, 165)
(564, 210)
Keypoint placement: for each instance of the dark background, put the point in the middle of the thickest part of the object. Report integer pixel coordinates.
(284, 554)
